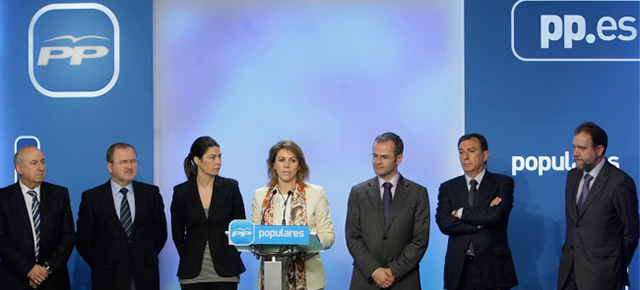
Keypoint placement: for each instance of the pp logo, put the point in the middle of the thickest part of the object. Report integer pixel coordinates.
(575, 30)
(241, 232)
(74, 50)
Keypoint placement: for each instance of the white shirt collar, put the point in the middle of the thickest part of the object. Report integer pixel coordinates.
(393, 181)
(478, 177)
(25, 189)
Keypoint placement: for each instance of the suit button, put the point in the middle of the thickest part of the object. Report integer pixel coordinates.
(129, 241)
(384, 237)
(571, 246)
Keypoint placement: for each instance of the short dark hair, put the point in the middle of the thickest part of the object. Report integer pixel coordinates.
(598, 136)
(118, 145)
(483, 141)
(397, 141)
(303, 172)
(198, 149)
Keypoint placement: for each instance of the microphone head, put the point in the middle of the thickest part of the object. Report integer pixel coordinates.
(290, 192)
(274, 192)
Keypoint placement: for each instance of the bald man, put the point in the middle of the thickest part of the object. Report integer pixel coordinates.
(36, 228)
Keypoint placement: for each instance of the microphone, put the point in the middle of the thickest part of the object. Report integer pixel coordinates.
(264, 213)
(284, 211)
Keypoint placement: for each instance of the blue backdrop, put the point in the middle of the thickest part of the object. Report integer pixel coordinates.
(529, 109)
(331, 77)
(75, 130)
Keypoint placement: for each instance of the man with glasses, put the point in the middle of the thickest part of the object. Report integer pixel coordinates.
(122, 227)
(387, 227)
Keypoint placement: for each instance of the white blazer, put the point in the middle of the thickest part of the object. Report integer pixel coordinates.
(319, 220)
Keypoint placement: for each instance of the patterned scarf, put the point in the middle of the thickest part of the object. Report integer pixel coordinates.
(298, 216)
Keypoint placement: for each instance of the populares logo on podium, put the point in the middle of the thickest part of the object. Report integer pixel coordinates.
(74, 50)
(244, 233)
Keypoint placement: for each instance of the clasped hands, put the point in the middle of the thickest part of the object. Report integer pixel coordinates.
(383, 278)
(37, 275)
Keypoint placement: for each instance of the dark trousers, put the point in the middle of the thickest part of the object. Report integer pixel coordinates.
(571, 281)
(471, 276)
(210, 286)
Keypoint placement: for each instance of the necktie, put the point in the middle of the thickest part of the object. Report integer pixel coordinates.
(585, 190)
(472, 191)
(35, 215)
(472, 196)
(125, 212)
(386, 199)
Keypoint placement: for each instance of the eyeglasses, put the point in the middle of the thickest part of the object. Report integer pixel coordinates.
(382, 157)
(133, 162)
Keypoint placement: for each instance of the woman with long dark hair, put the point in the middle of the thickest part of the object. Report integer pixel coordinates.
(201, 211)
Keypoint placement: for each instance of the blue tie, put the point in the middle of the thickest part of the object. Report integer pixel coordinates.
(35, 215)
(386, 199)
(585, 190)
(125, 212)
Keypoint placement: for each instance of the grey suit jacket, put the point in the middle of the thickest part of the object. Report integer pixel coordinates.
(399, 244)
(602, 237)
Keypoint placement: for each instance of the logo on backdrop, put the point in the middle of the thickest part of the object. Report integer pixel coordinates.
(543, 164)
(575, 31)
(74, 50)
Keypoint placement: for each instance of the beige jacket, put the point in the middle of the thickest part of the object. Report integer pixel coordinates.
(319, 220)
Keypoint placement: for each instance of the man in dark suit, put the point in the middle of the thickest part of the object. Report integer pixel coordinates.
(36, 228)
(473, 210)
(387, 227)
(122, 227)
(601, 209)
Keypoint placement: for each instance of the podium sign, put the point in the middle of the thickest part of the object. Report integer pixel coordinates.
(244, 232)
(281, 235)
(271, 242)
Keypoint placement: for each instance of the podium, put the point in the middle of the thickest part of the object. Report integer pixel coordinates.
(272, 242)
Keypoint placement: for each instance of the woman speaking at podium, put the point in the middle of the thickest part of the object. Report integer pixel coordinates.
(289, 200)
(201, 211)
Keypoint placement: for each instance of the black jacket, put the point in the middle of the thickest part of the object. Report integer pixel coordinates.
(191, 229)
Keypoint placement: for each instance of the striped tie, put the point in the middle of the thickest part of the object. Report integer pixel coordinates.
(35, 214)
(125, 212)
